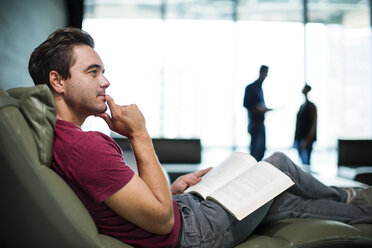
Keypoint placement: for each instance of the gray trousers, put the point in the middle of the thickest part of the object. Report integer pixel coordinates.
(309, 198)
(206, 224)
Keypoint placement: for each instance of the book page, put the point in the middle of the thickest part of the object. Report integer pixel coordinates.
(231, 167)
(252, 189)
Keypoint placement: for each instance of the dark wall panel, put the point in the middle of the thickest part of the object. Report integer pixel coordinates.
(23, 26)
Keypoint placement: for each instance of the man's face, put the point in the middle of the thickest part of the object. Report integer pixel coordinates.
(85, 90)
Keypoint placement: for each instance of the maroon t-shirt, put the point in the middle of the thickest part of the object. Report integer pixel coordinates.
(92, 164)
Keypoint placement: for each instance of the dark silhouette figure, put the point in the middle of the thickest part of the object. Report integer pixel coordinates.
(305, 133)
(255, 104)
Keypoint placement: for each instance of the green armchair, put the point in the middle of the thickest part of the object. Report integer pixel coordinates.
(38, 208)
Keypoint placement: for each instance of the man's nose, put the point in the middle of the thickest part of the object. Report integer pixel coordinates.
(104, 82)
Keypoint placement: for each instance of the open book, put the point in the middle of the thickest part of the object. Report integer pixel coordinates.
(241, 185)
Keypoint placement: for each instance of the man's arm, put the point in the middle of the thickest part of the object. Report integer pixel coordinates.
(252, 102)
(260, 109)
(146, 199)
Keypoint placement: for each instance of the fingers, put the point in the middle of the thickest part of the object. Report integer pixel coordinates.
(190, 180)
(126, 120)
(202, 172)
(111, 104)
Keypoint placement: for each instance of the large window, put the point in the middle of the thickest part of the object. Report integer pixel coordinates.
(186, 64)
(339, 68)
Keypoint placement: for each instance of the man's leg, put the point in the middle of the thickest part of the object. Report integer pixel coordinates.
(288, 205)
(304, 156)
(306, 185)
(299, 150)
(261, 146)
(253, 133)
(308, 153)
(258, 140)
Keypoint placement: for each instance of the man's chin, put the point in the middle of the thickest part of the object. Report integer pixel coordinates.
(100, 110)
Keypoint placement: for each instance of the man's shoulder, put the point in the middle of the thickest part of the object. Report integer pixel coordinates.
(77, 137)
(253, 85)
(311, 105)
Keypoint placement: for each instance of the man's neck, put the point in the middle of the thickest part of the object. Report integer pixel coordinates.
(77, 122)
(65, 113)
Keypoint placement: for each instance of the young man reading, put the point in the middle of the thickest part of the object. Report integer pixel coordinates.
(140, 209)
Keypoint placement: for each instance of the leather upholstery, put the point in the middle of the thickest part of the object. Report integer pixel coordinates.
(311, 233)
(38, 108)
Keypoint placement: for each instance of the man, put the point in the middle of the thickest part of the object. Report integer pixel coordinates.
(139, 209)
(305, 133)
(255, 104)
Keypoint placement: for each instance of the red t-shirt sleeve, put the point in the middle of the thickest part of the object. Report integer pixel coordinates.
(97, 164)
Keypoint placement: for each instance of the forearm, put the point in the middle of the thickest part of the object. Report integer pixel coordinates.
(260, 109)
(150, 171)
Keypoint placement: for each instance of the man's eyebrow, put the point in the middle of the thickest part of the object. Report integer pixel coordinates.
(96, 66)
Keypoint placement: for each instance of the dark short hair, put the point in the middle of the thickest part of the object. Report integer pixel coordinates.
(264, 68)
(56, 53)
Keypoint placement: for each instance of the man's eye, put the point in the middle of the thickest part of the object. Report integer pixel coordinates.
(94, 72)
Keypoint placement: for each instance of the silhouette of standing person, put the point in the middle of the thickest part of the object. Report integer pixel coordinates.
(305, 133)
(255, 104)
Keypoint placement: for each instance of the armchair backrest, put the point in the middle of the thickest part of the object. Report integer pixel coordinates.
(38, 209)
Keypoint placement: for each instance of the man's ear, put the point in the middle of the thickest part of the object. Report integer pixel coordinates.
(56, 81)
